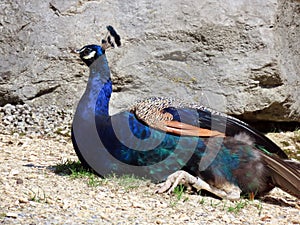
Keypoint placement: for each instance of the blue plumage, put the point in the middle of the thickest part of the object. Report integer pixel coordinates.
(102, 104)
(124, 144)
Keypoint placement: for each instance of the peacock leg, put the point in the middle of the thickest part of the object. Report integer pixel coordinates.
(228, 191)
(232, 191)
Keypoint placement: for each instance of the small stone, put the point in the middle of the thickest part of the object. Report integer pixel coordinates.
(13, 172)
(19, 181)
(6, 122)
(184, 217)
(20, 107)
(158, 221)
(265, 218)
(23, 200)
(162, 205)
(11, 215)
(104, 217)
(50, 201)
(8, 107)
(138, 205)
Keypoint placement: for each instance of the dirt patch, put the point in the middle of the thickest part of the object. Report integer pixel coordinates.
(32, 193)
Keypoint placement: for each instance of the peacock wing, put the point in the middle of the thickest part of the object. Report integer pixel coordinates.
(182, 118)
(165, 114)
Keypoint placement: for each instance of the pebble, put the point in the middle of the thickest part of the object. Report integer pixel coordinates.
(23, 200)
(50, 201)
(139, 205)
(184, 217)
(35, 121)
(104, 217)
(13, 172)
(19, 181)
(11, 214)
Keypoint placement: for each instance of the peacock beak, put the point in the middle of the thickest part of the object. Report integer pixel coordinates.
(76, 51)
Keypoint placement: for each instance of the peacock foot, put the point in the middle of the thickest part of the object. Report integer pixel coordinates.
(227, 191)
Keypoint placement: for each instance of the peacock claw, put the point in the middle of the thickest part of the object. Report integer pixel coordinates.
(230, 192)
(173, 180)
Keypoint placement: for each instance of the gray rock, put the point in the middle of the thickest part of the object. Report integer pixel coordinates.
(237, 57)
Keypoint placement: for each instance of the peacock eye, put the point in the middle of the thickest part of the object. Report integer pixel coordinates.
(86, 51)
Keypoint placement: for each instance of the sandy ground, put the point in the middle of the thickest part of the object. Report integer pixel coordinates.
(32, 193)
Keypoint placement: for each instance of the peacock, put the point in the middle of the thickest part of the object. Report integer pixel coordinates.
(172, 141)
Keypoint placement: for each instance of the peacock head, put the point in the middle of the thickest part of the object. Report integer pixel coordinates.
(90, 53)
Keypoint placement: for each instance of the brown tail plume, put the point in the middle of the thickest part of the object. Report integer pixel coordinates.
(284, 174)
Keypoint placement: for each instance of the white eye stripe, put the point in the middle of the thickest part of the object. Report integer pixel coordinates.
(89, 56)
(80, 50)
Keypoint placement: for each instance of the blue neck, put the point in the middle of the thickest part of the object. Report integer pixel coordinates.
(95, 100)
(102, 103)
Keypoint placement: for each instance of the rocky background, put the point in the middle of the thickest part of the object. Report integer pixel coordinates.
(240, 57)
